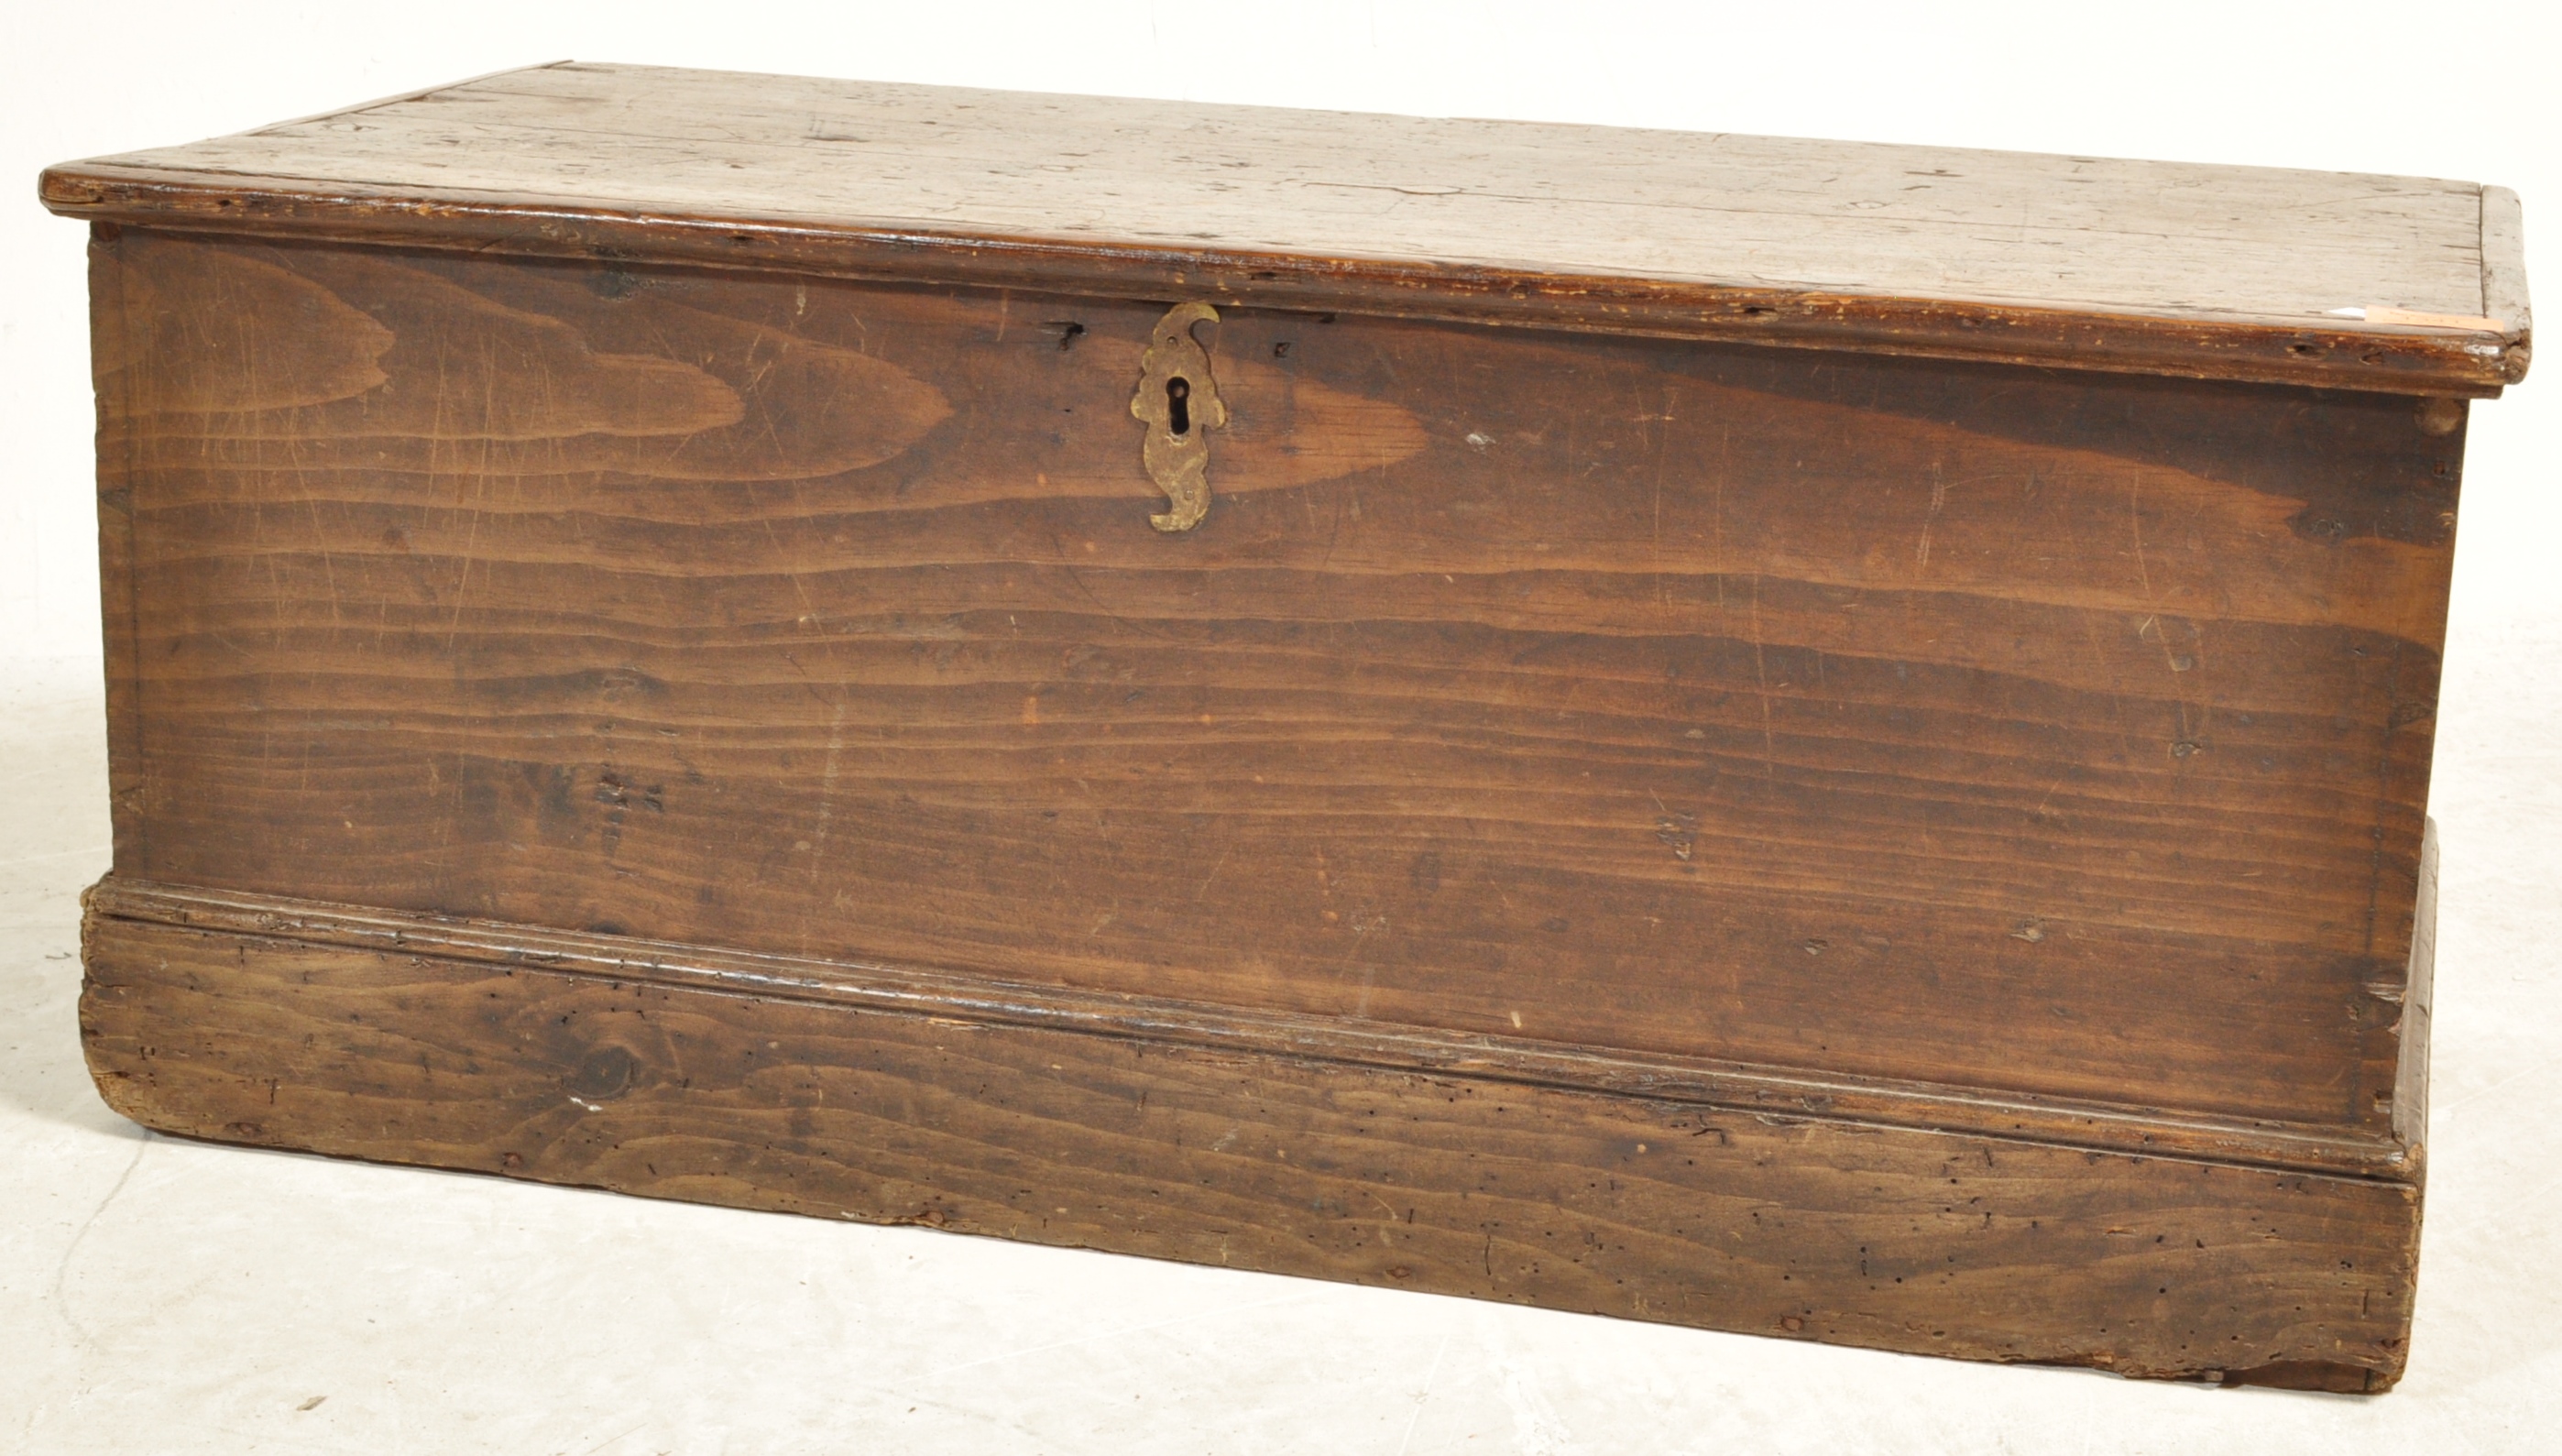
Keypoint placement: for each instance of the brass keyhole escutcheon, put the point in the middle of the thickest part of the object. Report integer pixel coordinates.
(1178, 401)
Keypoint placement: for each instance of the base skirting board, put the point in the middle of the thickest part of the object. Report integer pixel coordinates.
(1859, 1212)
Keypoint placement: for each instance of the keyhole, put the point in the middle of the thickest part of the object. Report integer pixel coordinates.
(1178, 393)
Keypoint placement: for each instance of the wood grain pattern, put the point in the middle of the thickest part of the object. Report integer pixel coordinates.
(2213, 271)
(2037, 733)
(984, 999)
(1895, 1238)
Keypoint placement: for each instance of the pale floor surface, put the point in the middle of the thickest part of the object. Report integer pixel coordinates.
(163, 1296)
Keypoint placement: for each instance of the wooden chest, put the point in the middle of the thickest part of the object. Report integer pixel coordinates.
(1804, 738)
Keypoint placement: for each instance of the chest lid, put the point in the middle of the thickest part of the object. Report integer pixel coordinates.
(2325, 279)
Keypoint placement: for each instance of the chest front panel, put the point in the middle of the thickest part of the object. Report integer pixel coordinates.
(1977, 725)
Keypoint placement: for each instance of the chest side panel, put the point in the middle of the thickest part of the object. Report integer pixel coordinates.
(2015, 730)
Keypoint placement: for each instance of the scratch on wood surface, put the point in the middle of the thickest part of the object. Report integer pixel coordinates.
(1663, 449)
(1212, 877)
(2136, 525)
(826, 789)
(1761, 681)
(1938, 498)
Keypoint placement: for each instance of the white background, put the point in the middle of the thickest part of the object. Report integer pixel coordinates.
(160, 1296)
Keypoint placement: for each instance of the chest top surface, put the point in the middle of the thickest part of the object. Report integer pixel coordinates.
(2293, 277)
